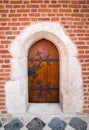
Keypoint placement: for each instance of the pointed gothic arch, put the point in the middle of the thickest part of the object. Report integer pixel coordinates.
(71, 89)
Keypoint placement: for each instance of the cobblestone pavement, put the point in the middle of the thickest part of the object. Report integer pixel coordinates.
(45, 123)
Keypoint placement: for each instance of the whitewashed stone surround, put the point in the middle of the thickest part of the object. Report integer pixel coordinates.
(71, 89)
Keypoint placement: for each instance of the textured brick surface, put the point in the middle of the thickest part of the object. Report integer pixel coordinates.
(72, 14)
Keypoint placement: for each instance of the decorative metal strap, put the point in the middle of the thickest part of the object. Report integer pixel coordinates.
(47, 59)
(41, 88)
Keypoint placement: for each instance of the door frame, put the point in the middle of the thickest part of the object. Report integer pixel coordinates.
(71, 85)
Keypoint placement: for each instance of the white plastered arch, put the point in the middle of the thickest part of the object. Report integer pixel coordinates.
(71, 91)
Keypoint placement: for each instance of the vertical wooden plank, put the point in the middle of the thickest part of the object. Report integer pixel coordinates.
(48, 73)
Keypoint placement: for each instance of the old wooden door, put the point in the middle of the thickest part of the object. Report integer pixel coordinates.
(43, 72)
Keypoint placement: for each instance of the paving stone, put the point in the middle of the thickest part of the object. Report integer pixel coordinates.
(0, 124)
(78, 124)
(15, 124)
(57, 124)
(36, 124)
(6, 120)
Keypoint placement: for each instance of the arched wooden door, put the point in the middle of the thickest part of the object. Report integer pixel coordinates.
(43, 72)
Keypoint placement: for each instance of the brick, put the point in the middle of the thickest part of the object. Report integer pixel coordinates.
(85, 10)
(4, 19)
(10, 37)
(77, 15)
(86, 111)
(43, 19)
(26, 2)
(54, 6)
(5, 66)
(4, 112)
(65, 10)
(24, 24)
(36, 1)
(43, 6)
(25, 15)
(44, 10)
(83, 47)
(5, 74)
(59, 14)
(83, 56)
(6, 61)
(32, 6)
(79, 31)
(16, 2)
(51, 14)
(54, 10)
(16, 6)
(34, 14)
(8, 6)
(87, 51)
(14, 24)
(6, 56)
(76, 10)
(64, 1)
(8, 32)
(64, 5)
(75, 6)
(34, 10)
(53, 1)
(1, 6)
(78, 23)
(22, 6)
(85, 65)
(1, 61)
(24, 19)
(4, 10)
(87, 15)
(14, 19)
(46, 1)
(1, 33)
(2, 37)
(3, 78)
(14, 28)
(2, 103)
(14, 15)
(55, 19)
(84, 38)
(4, 15)
(2, 91)
(5, 1)
(3, 51)
(13, 11)
(5, 42)
(22, 10)
(74, 2)
(16, 32)
(82, 2)
(44, 15)
(86, 60)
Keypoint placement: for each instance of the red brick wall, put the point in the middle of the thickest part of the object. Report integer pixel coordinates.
(17, 14)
